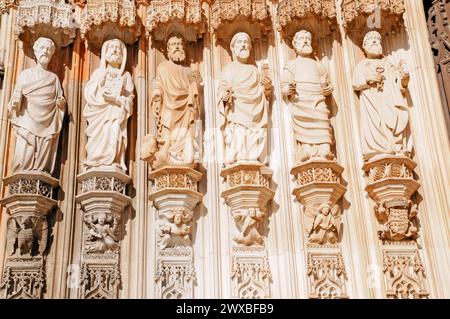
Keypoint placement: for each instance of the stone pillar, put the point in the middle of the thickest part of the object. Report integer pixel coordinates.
(319, 191)
(391, 184)
(175, 197)
(248, 193)
(103, 198)
(29, 202)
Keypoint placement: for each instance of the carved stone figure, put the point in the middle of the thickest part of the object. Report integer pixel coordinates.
(36, 110)
(384, 110)
(306, 85)
(249, 222)
(243, 103)
(24, 233)
(176, 106)
(109, 98)
(102, 235)
(323, 226)
(176, 231)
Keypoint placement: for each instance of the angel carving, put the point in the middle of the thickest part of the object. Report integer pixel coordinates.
(176, 231)
(24, 232)
(323, 225)
(103, 233)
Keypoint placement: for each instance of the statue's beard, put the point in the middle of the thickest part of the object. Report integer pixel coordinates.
(43, 59)
(243, 54)
(177, 56)
(114, 59)
(375, 49)
(305, 50)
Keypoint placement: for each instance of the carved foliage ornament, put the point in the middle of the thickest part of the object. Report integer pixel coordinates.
(288, 10)
(351, 9)
(229, 10)
(162, 11)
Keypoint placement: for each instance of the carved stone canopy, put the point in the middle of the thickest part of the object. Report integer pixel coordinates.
(186, 17)
(291, 12)
(6, 4)
(45, 18)
(253, 17)
(101, 20)
(352, 9)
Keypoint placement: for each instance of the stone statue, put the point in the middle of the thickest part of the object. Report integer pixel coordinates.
(176, 231)
(249, 222)
(109, 98)
(102, 235)
(176, 106)
(305, 84)
(323, 227)
(36, 110)
(243, 103)
(384, 110)
(24, 232)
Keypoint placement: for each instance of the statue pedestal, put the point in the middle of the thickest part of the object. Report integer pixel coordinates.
(391, 184)
(175, 196)
(29, 200)
(103, 198)
(319, 190)
(248, 193)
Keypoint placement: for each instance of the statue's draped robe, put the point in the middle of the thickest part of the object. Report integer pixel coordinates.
(38, 121)
(310, 114)
(178, 111)
(384, 112)
(246, 116)
(107, 123)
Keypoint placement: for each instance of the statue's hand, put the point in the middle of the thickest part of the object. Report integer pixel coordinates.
(110, 98)
(267, 83)
(61, 102)
(292, 89)
(226, 97)
(156, 97)
(375, 78)
(328, 90)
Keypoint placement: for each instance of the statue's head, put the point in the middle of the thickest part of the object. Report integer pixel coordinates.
(240, 46)
(372, 44)
(44, 48)
(302, 43)
(101, 218)
(175, 48)
(325, 209)
(114, 53)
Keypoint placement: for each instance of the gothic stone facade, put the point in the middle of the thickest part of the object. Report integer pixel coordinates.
(224, 149)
